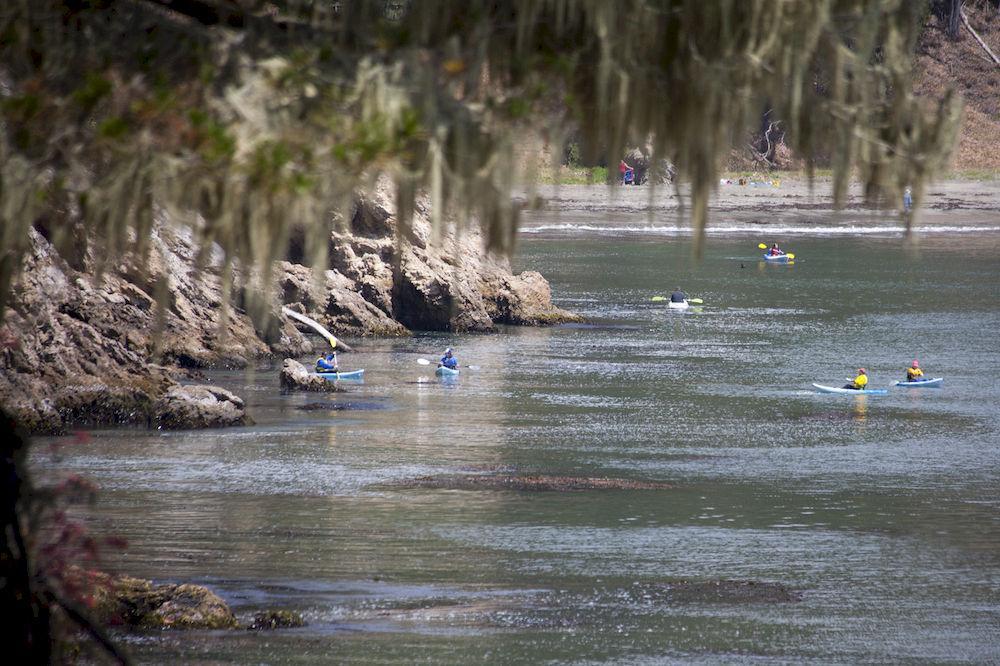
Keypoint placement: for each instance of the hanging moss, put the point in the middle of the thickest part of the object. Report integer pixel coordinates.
(245, 119)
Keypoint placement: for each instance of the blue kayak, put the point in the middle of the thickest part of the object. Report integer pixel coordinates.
(836, 389)
(922, 383)
(353, 374)
(777, 257)
(445, 372)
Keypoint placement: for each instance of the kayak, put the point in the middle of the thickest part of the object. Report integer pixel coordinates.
(777, 257)
(683, 305)
(445, 372)
(835, 389)
(353, 374)
(922, 383)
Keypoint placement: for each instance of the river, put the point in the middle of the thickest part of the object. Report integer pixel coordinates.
(880, 515)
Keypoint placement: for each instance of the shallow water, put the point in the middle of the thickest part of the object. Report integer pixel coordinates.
(880, 511)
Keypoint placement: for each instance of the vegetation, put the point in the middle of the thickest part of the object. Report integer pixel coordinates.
(242, 118)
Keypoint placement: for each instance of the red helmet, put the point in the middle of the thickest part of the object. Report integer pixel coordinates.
(916, 365)
(862, 371)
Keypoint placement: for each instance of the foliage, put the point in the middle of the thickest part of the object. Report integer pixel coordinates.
(245, 117)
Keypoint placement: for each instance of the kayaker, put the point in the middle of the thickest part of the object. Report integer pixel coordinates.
(914, 373)
(678, 296)
(774, 251)
(327, 363)
(448, 360)
(860, 382)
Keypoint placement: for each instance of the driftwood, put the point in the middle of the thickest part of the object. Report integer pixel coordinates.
(965, 20)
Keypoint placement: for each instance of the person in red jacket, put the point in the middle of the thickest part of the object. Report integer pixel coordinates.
(626, 174)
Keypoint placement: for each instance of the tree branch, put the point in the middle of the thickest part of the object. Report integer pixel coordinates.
(978, 39)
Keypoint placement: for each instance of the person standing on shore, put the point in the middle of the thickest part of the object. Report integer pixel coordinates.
(625, 173)
(907, 201)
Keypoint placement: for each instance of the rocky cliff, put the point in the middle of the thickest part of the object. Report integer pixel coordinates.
(80, 349)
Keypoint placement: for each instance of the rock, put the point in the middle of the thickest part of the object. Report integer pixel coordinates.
(536, 483)
(295, 377)
(199, 406)
(141, 604)
(430, 295)
(276, 619)
(525, 300)
(725, 591)
(336, 301)
(78, 349)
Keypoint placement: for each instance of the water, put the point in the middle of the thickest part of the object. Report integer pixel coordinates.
(880, 512)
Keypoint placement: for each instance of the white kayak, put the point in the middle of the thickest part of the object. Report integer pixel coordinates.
(837, 389)
(683, 305)
(922, 383)
(445, 372)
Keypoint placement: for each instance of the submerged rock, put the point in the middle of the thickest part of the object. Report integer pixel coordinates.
(295, 377)
(535, 483)
(726, 591)
(276, 619)
(199, 406)
(341, 406)
(142, 604)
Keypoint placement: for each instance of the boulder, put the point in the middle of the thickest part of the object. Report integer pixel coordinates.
(199, 406)
(141, 604)
(525, 300)
(295, 377)
(276, 619)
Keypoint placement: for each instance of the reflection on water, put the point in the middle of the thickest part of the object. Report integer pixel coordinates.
(880, 512)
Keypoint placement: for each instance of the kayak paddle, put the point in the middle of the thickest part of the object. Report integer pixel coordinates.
(660, 299)
(424, 361)
(786, 254)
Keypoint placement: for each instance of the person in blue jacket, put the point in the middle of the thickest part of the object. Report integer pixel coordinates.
(448, 360)
(327, 363)
(678, 296)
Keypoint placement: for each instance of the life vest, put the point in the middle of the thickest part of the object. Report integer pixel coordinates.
(914, 373)
(861, 381)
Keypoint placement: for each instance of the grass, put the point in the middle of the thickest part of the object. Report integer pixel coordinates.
(979, 175)
(573, 176)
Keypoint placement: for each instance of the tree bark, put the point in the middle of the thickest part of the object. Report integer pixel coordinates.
(954, 19)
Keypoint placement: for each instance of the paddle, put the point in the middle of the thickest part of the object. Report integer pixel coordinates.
(660, 299)
(424, 361)
(786, 254)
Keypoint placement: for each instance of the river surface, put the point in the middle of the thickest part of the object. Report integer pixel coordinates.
(880, 514)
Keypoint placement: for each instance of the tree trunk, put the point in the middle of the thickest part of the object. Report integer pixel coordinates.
(954, 19)
(24, 631)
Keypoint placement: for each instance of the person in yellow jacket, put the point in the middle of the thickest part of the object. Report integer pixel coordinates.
(860, 382)
(914, 373)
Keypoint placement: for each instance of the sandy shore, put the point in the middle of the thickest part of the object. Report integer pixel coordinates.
(792, 200)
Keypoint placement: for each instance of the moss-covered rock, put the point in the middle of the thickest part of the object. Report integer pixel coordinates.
(276, 619)
(141, 604)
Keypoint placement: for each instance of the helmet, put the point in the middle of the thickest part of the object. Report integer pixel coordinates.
(447, 351)
(862, 371)
(916, 365)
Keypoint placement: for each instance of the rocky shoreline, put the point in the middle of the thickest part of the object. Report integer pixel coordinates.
(78, 349)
